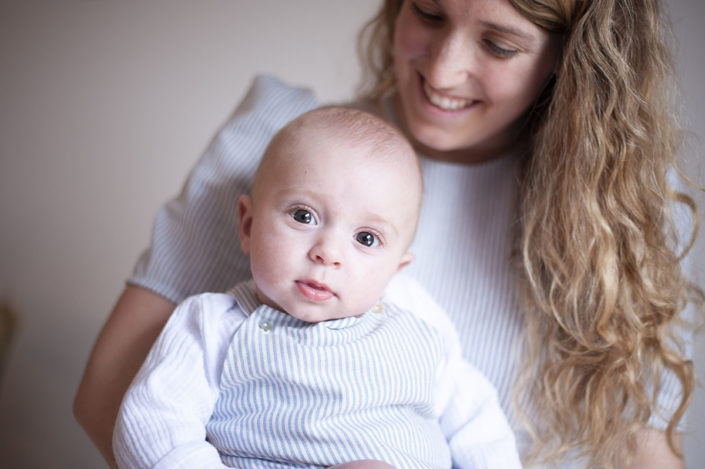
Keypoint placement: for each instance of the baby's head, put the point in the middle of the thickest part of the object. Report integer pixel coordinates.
(333, 210)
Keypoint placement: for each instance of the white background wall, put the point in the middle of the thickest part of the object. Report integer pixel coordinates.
(104, 107)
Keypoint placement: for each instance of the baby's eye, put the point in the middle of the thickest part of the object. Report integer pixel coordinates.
(303, 216)
(366, 239)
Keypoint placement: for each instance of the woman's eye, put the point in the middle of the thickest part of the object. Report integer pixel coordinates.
(366, 239)
(426, 15)
(303, 216)
(499, 51)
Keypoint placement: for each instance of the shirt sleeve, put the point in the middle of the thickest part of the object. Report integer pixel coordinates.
(478, 433)
(475, 426)
(194, 246)
(163, 416)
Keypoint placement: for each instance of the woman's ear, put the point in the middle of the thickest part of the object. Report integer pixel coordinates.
(244, 214)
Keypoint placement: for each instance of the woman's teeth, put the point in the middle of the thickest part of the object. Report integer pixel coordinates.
(444, 102)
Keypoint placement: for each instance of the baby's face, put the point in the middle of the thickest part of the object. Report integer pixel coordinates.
(327, 228)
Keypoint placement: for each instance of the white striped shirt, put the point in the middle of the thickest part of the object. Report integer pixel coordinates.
(267, 390)
(461, 249)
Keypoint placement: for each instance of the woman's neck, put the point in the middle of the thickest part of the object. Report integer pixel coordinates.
(475, 155)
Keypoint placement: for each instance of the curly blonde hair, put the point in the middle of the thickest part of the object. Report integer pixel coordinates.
(597, 249)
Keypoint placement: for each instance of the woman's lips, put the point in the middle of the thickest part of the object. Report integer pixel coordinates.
(445, 102)
(314, 291)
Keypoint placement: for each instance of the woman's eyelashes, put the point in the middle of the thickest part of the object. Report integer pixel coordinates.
(499, 51)
(427, 16)
(436, 18)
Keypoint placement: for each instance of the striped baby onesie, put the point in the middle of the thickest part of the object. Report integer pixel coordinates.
(234, 383)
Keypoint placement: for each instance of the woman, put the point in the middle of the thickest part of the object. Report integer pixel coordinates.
(545, 143)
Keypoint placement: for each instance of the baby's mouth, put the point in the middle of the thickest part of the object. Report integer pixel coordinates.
(314, 291)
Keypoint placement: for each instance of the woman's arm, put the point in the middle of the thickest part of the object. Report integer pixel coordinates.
(131, 329)
(653, 451)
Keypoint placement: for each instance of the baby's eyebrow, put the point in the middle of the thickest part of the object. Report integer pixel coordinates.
(381, 222)
(295, 193)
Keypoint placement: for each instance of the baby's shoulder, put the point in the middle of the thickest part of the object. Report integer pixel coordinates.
(408, 296)
(209, 300)
(209, 308)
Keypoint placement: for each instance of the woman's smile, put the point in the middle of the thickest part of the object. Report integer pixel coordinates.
(444, 101)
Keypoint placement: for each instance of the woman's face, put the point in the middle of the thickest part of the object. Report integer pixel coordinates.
(466, 72)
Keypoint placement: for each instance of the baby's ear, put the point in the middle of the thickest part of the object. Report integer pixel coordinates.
(244, 214)
(406, 259)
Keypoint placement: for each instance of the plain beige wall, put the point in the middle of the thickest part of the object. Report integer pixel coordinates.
(104, 107)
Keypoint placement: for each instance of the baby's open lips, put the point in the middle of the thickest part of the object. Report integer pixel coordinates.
(315, 291)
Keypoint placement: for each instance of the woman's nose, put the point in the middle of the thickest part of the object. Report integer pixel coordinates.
(326, 251)
(451, 60)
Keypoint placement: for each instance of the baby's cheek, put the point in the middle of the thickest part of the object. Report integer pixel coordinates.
(373, 287)
(266, 263)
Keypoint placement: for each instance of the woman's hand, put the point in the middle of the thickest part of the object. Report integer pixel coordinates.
(117, 355)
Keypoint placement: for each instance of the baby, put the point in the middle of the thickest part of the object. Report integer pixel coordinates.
(314, 362)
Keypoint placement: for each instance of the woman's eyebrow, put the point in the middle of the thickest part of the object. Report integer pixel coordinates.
(507, 30)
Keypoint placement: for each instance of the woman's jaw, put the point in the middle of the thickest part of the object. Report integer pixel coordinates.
(444, 126)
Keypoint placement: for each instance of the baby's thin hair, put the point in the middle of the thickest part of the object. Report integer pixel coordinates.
(351, 125)
(345, 126)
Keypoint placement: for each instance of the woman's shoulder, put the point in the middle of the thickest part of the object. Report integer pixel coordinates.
(273, 102)
(233, 155)
(269, 90)
(278, 101)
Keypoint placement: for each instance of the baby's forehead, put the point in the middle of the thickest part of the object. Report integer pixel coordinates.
(342, 142)
(325, 144)
(340, 156)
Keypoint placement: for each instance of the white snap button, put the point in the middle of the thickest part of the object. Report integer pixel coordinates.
(378, 308)
(266, 326)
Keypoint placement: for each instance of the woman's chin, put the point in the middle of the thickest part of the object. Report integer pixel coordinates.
(434, 141)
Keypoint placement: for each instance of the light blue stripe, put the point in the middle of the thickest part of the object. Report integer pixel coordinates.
(338, 392)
